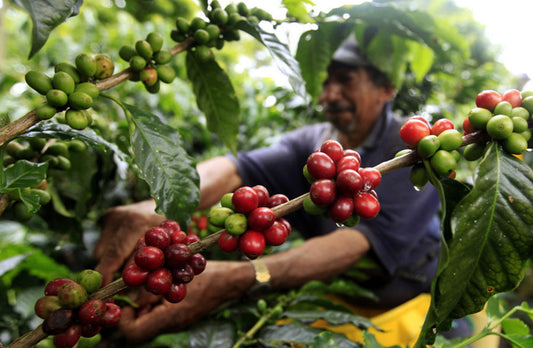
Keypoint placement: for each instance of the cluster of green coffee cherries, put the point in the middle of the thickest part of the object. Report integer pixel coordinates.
(504, 117)
(148, 62)
(220, 27)
(56, 152)
(71, 88)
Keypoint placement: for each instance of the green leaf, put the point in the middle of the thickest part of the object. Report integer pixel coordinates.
(165, 166)
(212, 334)
(281, 54)
(216, 98)
(371, 341)
(46, 15)
(314, 52)
(173, 340)
(492, 239)
(297, 9)
(23, 174)
(281, 335)
(324, 340)
(332, 317)
(515, 326)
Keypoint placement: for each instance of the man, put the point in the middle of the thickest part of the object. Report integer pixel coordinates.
(403, 239)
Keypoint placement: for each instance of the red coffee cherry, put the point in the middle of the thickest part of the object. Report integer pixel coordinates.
(111, 316)
(177, 255)
(488, 99)
(468, 127)
(91, 311)
(68, 338)
(252, 244)
(182, 274)
(170, 226)
(159, 281)
(52, 287)
(276, 234)
(413, 130)
(321, 166)
(366, 205)
(333, 149)
(192, 238)
(371, 178)
(513, 96)
(323, 192)
(228, 242)
(349, 182)
(277, 199)
(141, 243)
(341, 209)
(261, 218)
(90, 330)
(245, 199)
(352, 153)
(441, 125)
(133, 275)
(348, 162)
(285, 223)
(150, 258)
(177, 237)
(176, 293)
(157, 237)
(197, 263)
(262, 195)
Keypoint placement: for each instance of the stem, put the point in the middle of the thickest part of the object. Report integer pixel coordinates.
(20, 125)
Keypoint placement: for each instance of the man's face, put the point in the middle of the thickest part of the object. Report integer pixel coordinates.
(351, 101)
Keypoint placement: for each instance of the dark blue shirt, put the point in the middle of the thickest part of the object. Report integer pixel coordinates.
(407, 227)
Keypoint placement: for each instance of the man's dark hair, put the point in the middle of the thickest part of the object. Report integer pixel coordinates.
(378, 78)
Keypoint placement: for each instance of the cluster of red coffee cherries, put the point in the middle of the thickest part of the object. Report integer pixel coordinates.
(163, 261)
(249, 222)
(68, 313)
(340, 188)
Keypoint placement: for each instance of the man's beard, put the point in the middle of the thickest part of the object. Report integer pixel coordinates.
(334, 114)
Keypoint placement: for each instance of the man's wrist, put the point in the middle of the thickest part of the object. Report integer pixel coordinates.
(262, 277)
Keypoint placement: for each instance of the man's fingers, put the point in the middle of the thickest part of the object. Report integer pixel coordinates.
(145, 326)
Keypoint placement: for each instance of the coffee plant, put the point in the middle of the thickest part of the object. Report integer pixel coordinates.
(486, 220)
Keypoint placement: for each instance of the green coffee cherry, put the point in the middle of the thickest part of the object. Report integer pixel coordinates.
(144, 49)
(69, 69)
(77, 145)
(76, 119)
(182, 25)
(253, 19)
(217, 215)
(427, 146)
(37, 143)
(63, 163)
(155, 40)
(307, 175)
(72, 295)
(86, 65)
(201, 36)
(243, 10)
(58, 148)
(479, 117)
(213, 30)
(261, 305)
(230, 8)
(88, 88)
(225, 201)
(44, 196)
(214, 4)
(418, 176)
(527, 103)
(261, 14)
(45, 111)
(104, 67)
(443, 163)
(500, 127)
(165, 73)
(204, 54)
(526, 134)
(503, 108)
(91, 280)
(162, 57)
(311, 208)
(13, 147)
(154, 88)
(519, 124)
(520, 112)
(219, 16)
(137, 63)
(234, 18)
(40, 82)
(196, 23)
(63, 81)
(231, 35)
(56, 98)
(127, 52)
(515, 144)
(51, 159)
(177, 36)
(450, 139)
(21, 211)
(236, 224)
(80, 100)
(352, 221)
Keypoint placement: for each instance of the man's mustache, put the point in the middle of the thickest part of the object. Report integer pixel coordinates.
(337, 108)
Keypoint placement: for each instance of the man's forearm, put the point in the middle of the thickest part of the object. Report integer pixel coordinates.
(319, 258)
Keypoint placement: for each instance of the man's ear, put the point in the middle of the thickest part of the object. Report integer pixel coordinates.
(388, 93)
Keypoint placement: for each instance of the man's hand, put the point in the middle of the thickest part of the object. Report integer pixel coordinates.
(121, 229)
(221, 281)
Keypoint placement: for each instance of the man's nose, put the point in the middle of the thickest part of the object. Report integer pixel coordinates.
(331, 92)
